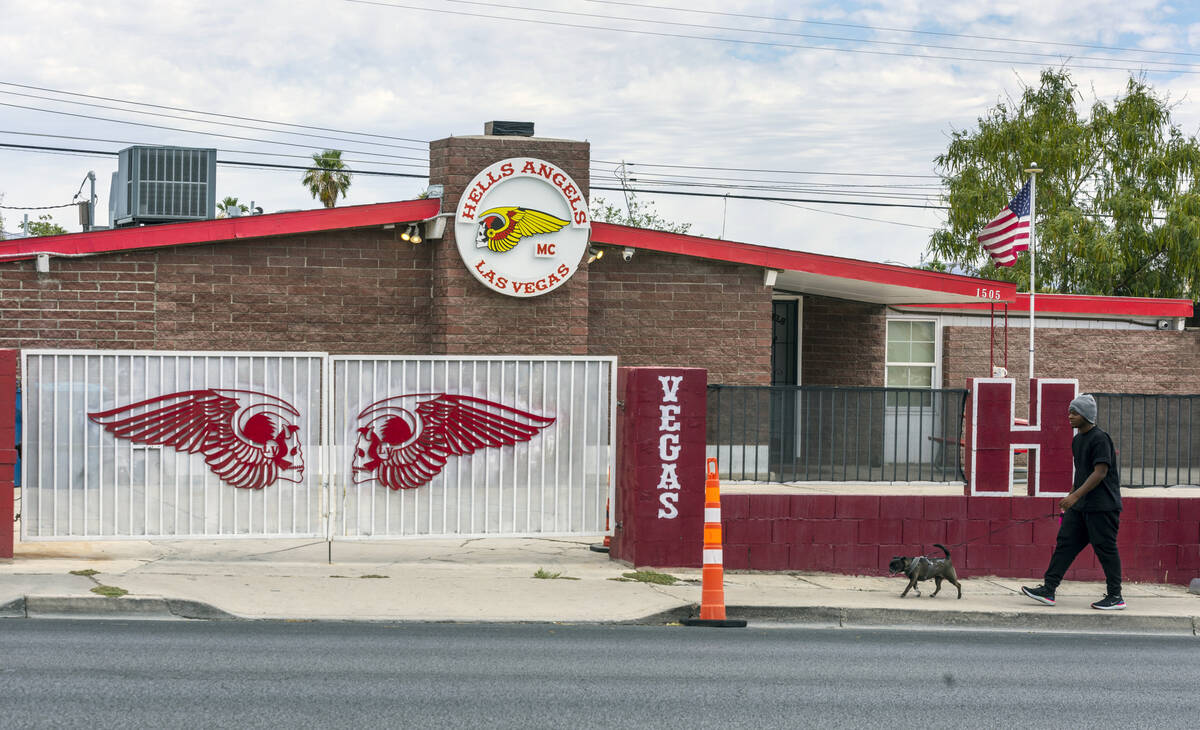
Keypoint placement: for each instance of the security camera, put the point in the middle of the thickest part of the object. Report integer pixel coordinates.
(627, 254)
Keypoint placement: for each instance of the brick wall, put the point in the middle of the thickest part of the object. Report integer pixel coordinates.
(663, 310)
(467, 317)
(843, 342)
(1104, 361)
(349, 291)
(1159, 538)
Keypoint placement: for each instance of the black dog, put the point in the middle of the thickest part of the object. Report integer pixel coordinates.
(924, 568)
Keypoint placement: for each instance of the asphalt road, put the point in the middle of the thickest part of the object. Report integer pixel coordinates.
(100, 674)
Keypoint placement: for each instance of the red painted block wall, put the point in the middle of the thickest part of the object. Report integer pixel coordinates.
(661, 420)
(1005, 537)
(8, 452)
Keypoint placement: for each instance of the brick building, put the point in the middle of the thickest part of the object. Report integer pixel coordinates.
(342, 280)
(347, 281)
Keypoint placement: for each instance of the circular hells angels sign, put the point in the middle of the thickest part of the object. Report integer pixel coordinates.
(522, 227)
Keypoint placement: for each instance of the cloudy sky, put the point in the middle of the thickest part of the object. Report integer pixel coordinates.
(806, 101)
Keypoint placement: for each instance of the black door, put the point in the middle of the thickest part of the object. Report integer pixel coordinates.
(785, 364)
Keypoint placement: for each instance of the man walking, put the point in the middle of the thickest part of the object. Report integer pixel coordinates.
(1091, 512)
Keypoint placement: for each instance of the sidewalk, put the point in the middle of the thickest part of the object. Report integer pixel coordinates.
(492, 579)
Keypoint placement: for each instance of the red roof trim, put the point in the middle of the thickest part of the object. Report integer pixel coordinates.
(223, 229)
(775, 258)
(1085, 304)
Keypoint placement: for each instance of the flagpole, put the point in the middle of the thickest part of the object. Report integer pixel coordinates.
(1032, 171)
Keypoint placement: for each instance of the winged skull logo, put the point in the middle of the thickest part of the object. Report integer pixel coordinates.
(500, 229)
(405, 441)
(248, 439)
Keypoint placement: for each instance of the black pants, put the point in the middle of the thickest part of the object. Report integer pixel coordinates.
(1078, 530)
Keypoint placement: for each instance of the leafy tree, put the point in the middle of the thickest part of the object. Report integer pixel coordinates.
(44, 227)
(328, 177)
(1118, 203)
(230, 204)
(637, 214)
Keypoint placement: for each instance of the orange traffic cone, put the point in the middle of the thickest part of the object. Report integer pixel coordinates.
(712, 576)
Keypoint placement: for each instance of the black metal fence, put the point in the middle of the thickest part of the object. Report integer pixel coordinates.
(820, 433)
(831, 434)
(1157, 444)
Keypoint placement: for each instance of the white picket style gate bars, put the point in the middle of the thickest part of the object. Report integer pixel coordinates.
(80, 480)
(552, 479)
(140, 444)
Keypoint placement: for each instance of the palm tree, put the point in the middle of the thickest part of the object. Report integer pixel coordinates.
(229, 205)
(328, 177)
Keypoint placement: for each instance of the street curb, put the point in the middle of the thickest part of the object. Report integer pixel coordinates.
(669, 616)
(135, 607)
(14, 608)
(1010, 620)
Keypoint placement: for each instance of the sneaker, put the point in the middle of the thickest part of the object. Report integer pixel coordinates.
(1110, 603)
(1041, 594)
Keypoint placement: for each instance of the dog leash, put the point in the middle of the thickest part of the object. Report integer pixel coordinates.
(1059, 515)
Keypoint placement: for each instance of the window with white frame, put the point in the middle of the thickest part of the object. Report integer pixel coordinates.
(911, 355)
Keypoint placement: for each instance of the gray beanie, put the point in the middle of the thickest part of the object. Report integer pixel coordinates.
(1085, 405)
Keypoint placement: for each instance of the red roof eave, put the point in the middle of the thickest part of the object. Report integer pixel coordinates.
(222, 229)
(775, 258)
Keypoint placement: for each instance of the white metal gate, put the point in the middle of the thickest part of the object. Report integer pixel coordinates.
(134, 444)
(539, 462)
(138, 444)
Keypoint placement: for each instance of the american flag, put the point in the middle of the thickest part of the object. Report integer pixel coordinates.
(1008, 233)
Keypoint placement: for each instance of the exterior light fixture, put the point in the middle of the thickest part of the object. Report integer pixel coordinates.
(412, 234)
(594, 253)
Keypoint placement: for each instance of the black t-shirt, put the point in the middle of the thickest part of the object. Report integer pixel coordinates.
(1089, 449)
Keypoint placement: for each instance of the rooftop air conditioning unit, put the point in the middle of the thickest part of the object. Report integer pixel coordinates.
(163, 185)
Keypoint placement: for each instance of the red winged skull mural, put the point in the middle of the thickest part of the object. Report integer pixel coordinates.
(248, 439)
(405, 441)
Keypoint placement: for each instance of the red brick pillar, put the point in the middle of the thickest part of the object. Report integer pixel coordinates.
(8, 452)
(470, 318)
(661, 420)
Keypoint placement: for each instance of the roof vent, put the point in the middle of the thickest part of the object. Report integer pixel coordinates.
(508, 129)
(163, 185)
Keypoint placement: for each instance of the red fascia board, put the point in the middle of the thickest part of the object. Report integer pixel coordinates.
(221, 229)
(1085, 304)
(776, 258)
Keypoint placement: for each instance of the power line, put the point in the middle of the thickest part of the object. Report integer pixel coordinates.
(893, 30)
(203, 121)
(240, 163)
(688, 181)
(211, 114)
(636, 176)
(859, 217)
(789, 34)
(219, 149)
(411, 175)
(381, 173)
(772, 199)
(269, 166)
(36, 207)
(773, 44)
(194, 131)
(785, 188)
(770, 171)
